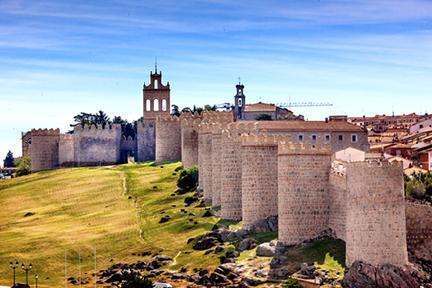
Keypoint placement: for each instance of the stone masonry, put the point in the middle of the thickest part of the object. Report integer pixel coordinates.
(259, 178)
(168, 139)
(189, 138)
(44, 149)
(419, 230)
(303, 200)
(375, 223)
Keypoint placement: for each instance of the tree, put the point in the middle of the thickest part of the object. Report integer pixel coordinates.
(175, 110)
(23, 167)
(9, 160)
(263, 117)
(84, 118)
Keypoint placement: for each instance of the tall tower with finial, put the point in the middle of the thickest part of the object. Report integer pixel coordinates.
(239, 102)
(156, 96)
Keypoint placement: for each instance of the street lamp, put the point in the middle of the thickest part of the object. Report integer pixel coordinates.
(36, 279)
(14, 265)
(26, 269)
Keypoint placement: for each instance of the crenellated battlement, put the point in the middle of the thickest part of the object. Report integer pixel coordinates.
(168, 119)
(290, 148)
(97, 130)
(45, 132)
(254, 139)
(338, 168)
(217, 116)
(376, 163)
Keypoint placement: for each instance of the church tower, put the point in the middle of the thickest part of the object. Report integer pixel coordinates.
(239, 102)
(156, 97)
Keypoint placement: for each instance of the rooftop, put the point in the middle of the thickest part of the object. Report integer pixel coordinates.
(260, 107)
(293, 126)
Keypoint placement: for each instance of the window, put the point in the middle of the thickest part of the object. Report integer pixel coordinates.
(340, 137)
(300, 138)
(314, 138)
(354, 138)
(240, 102)
(148, 106)
(156, 84)
(155, 105)
(327, 138)
(421, 126)
(164, 105)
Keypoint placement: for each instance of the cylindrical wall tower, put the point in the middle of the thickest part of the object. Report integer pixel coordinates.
(189, 139)
(303, 175)
(205, 160)
(259, 178)
(376, 226)
(168, 139)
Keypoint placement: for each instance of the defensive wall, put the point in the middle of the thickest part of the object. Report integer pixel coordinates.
(338, 199)
(303, 202)
(259, 178)
(419, 230)
(375, 224)
(168, 138)
(189, 138)
(44, 149)
(66, 150)
(96, 144)
(231, 172)
(146, 140)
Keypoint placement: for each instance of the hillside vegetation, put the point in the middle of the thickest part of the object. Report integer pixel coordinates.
(113, 210)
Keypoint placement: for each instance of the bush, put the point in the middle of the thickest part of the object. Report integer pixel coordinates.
(23, 167)
(188, 180)
(292, 283)
(135, 280)
(415, 189)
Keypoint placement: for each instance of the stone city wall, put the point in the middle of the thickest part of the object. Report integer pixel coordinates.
(146, 140)
(231, 172)
(376, 228)
(66, 150)
(168, 138)
(44, 150)
(303, 202)
(189, 139)
(97, 145)
(259, 178)
(216, 164)
(419, 230)
(205, 160)
(337, 200)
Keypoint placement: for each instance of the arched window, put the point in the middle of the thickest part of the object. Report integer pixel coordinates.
(147, 105)
(156, 84)
(155, 105)
(164, 105)
(240, 102)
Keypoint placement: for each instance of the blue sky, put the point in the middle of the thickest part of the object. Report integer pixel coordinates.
(59, 58)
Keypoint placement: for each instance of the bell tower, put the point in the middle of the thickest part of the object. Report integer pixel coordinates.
(156, 97)
(239, 102)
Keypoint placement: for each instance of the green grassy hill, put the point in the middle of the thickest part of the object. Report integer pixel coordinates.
(115, 210)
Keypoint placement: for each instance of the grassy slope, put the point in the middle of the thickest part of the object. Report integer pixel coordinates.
(113, 209)
(85, 208)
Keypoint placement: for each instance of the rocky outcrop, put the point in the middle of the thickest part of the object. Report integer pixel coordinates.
(363, 275)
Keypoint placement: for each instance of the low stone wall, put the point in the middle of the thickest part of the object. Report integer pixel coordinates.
(419, 230)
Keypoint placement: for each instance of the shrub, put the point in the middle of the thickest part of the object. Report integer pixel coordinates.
(292, 283)
(188, 179)
(135, 280)
(24, 167)
(415, 189)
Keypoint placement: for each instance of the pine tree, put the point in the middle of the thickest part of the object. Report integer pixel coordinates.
(9, 160)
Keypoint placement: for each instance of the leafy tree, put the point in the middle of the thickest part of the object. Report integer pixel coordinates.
(263, 117)
(415, 189)
(135, 280)
(210, 108)
(91, 119)
(23, 167)
(128, 129)
(188, 179)
(175, 110)
(9, 160)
